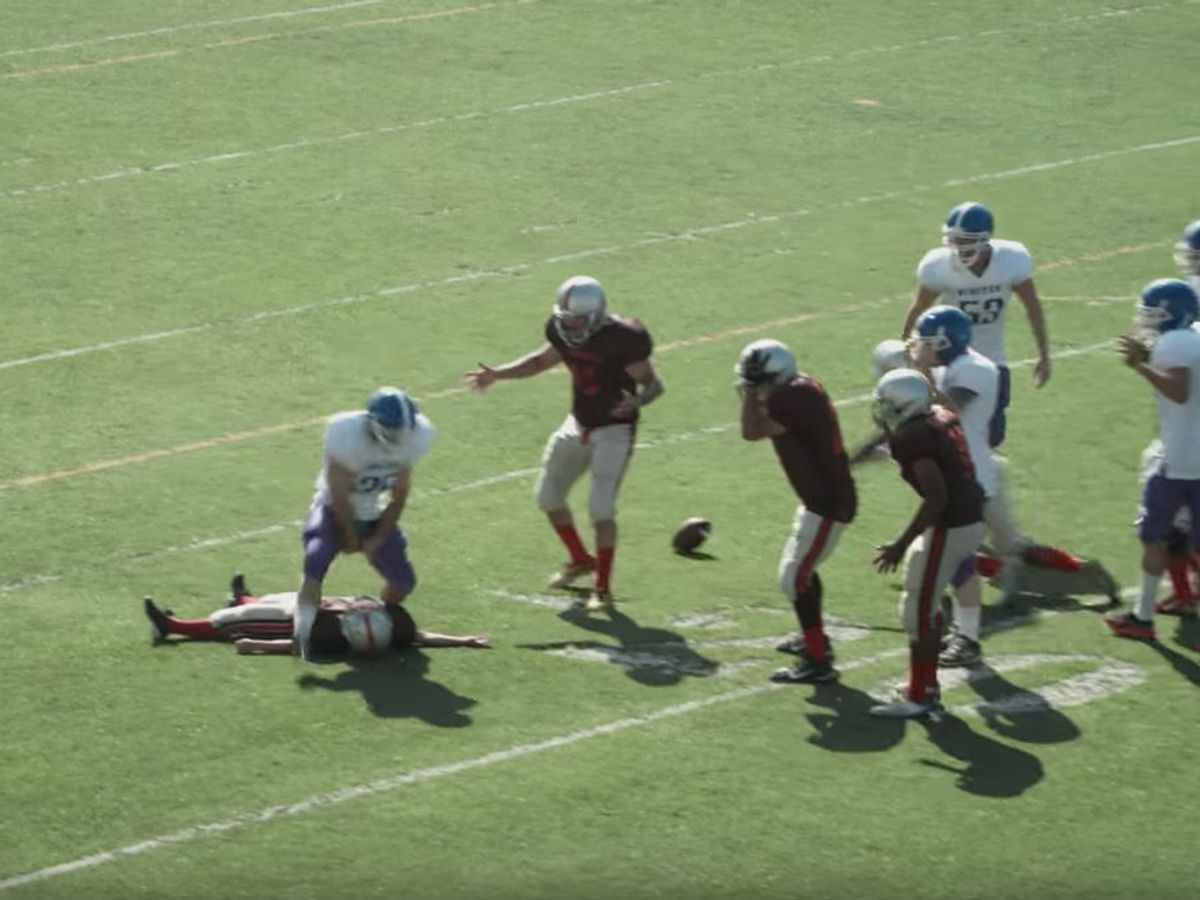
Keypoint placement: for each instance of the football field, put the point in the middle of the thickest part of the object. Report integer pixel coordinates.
(223, 220)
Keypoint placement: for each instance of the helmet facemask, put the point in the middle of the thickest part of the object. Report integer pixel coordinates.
(1187, 258)
(580, 310)
(763, 365)
(901, 396)
(966, 246)
(390, 414)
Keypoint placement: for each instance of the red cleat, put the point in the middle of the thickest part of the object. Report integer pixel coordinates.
(1127, 625)
(1177, 606)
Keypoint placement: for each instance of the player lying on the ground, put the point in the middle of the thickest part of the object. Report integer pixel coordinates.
(364, 625)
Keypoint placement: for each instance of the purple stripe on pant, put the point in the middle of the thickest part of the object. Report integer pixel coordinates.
(322, 544)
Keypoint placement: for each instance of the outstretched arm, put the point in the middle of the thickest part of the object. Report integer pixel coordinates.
(433, 639)
(533, 363)
(1027, 293)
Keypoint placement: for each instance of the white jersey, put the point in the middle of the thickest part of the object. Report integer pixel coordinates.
(984, 298)
(974, 372)
(1179, 423)
(349, 442)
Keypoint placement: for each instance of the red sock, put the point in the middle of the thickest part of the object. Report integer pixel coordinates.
(1177, 568)
(814, 642)
(604, 562)
(916, 677)
(987, 566)
(1053, 558)
(570, 537)
(193, 628)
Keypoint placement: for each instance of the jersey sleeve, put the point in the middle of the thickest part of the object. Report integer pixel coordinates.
(339, 443)
(929, 270)
(1175, 349)
(422, 438)
(1021, 263)
(638, 344)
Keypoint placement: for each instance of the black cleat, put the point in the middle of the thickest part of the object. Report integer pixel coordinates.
(806, 671)
(960, 652)
(237, 589)
(159, 626)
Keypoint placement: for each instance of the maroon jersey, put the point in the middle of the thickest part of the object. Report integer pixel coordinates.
(939, 437)
(811, 450)
(597, 367)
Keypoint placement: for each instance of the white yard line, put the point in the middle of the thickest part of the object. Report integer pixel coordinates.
(30, 581)
(515, 268)
(308, 143)
(420, 776)
(191, 26)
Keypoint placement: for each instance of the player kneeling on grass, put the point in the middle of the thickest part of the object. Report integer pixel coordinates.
(362, 625)
(795, 412)
(1165, 313)
(928, 444)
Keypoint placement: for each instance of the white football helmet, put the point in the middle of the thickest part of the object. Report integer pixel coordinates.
(579, 310)
(900, 396)
(888, 355)
(765, 363)
(368, 631)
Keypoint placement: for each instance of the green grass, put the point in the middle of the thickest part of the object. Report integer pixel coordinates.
(711, 164)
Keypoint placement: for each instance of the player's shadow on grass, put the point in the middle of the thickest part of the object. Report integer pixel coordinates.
(990, 768)
(696, 555)
(651, 656)
(847, 727)
(397, 687)
(1186, 635)
(1041, 724)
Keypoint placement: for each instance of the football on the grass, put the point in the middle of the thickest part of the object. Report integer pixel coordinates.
(690, 535)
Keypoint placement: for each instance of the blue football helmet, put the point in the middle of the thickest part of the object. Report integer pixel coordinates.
(1167, 304)
(1187, 251)
(947, 329)
(390, 413)
(967, 230)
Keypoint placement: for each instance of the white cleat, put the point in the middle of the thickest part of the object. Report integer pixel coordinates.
(570, 573)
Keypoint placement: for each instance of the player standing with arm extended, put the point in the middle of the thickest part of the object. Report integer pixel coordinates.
(795, 412)
(978, 275)
(1165, 313)
(928, 444)
(367, 453)
(613, 377)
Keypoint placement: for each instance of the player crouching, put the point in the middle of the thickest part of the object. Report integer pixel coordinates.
(928, 444)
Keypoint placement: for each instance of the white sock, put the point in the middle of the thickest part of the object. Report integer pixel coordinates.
(1145, 604)
(968, 621)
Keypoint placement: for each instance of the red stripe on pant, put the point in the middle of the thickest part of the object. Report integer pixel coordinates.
(804, 571)
(933, 562)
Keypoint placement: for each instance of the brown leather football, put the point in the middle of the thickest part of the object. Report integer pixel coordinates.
(690, 535)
